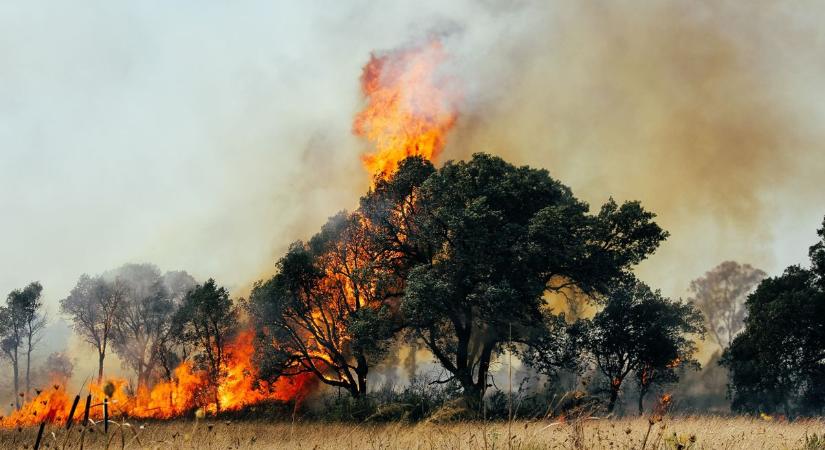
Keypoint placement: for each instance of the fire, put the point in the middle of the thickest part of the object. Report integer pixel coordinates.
(675, 363)
(410, 106)
(238, 388)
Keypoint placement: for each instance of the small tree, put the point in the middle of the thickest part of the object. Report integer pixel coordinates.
(206, 320)
(721, 294)
(23, 320)
(639, 331)
(92, 306)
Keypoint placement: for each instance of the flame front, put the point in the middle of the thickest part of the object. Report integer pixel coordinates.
(411, 106)
(189, 389)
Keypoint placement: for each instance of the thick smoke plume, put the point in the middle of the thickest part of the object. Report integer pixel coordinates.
(697, 109)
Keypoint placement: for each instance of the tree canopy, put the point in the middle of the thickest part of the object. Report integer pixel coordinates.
(639, 332)
(92, 306)
(778, 362)
(496, 238)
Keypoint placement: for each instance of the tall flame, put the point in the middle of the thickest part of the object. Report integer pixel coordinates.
(238, 388)
(410, 106)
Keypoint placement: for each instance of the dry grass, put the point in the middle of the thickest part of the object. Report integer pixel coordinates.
(690, 432)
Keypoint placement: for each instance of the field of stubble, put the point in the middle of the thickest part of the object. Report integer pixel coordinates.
(674, 433)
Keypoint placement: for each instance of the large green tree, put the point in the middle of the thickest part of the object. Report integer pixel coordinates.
(480, 242)
(778, 362)
(639, 332)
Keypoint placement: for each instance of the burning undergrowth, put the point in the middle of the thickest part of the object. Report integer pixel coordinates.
(189, 389)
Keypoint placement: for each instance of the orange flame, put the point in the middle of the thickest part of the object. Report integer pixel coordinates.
(410, 107)
(238, 388)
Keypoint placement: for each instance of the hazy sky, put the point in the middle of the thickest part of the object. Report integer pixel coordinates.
(206, 136)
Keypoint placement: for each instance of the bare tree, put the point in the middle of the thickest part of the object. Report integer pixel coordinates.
(93, 306)
(721, 295)
(144, 314)
(143, 322)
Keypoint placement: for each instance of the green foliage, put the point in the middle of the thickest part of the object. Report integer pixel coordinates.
(413, 402)
(641, 332)
(205, 321)
(778, 362)
(460, 258)
(22, 320)
(484, 241)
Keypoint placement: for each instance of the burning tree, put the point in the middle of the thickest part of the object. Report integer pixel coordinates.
(206, 320)
(325, 312)
(640, 332)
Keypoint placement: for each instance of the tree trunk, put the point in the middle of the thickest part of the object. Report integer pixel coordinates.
(614, 394)
(642, 393)
(361, 371)
(28, 365)
(100, 357)
(484, 368)
(15, 366)
(473, 396)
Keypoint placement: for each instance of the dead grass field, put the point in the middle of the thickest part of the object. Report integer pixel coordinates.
(671, 433)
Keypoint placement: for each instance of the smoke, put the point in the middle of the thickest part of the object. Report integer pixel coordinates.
(698, 109)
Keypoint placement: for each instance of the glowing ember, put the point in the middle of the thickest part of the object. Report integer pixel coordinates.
(410, 107)
(189, 389)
